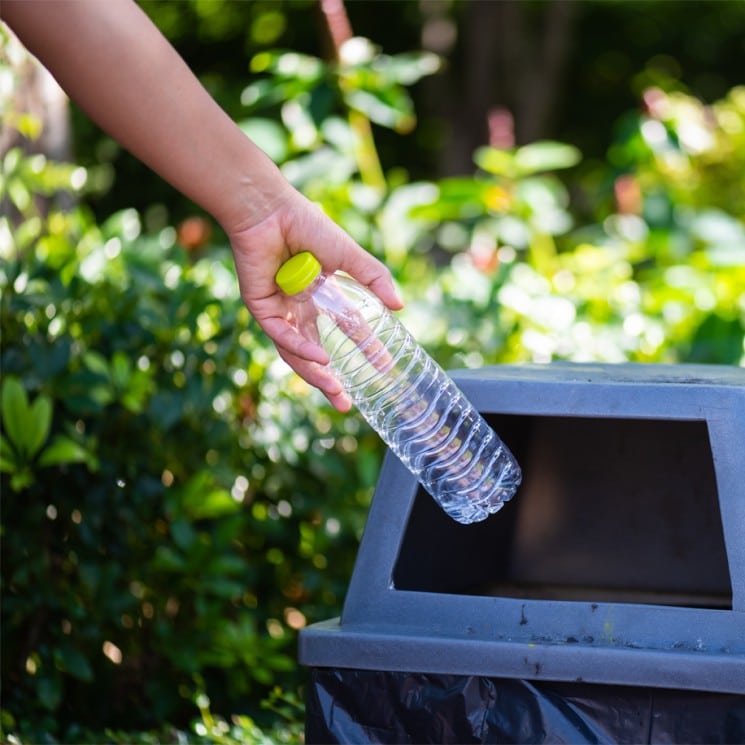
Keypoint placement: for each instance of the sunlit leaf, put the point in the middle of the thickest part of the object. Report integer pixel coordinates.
(546, 156)
(496, 161)
(8, 457)
(214, 503)
(63, 450)
(21, 479)
(717, 228)
(392, 109)
(323, 164)
(39, 423)
(268, 135)
(288, 65)
(121, 370)
(409, 68)
(15, 412)
(458, 198)
(96, 363)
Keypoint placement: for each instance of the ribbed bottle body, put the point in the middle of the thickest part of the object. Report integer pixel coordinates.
(413, 404)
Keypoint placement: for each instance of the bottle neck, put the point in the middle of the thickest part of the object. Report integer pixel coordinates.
(308, 292)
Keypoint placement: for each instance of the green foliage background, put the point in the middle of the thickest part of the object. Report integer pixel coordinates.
(175, 504)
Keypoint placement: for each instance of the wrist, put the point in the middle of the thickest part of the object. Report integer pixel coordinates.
(252, 190)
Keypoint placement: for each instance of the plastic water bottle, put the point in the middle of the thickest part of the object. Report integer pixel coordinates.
(405, 396)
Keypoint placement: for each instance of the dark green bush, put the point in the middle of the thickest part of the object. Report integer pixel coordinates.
(187, 525)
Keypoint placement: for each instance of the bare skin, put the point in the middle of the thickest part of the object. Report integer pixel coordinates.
(116, 65)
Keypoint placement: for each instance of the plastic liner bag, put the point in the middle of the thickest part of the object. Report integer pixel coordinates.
(361, 706)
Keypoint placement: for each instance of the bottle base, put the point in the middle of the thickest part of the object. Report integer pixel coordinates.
(467, 509)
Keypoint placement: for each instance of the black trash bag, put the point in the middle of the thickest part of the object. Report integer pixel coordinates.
(362, 706)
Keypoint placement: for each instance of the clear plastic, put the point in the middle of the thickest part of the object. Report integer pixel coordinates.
(408, 399)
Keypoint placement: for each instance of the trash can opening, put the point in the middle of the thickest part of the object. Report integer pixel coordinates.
(610, 510)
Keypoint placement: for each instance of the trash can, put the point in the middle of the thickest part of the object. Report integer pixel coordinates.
(604, 603)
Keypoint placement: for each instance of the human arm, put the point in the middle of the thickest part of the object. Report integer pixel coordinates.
(122, 72)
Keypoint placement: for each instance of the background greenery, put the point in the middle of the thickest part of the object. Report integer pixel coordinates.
(175, 504)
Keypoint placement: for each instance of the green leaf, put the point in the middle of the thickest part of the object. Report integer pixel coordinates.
(214, 503)
(63, 450)
(133, 402)
(546, 156)
(19, 194)
(8, 457)
(410, 67)
(40, 422)
(323, 164)
(225, 565)
(458, 199)
(225, 588)
(288, 65)
(533, 158)
(389, 108)
(21, 479)
(717, 340)
(101, 395)
(96, 363)
(183, 534)
(121, 370)
(49, 691)
(167, 559)
(496, 161)
(15, 412)
(262, 93)
(268, 135)
(70, 660)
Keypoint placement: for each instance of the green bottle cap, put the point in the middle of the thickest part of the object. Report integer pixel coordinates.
(297, 273)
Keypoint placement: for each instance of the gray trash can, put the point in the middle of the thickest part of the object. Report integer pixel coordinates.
(605, 603)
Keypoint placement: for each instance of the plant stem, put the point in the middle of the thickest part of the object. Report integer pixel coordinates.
(366, 154)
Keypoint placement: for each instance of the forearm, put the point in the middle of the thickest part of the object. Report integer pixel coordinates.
(114, 63)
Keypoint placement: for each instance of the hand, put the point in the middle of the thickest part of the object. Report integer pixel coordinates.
(104, 55)
(295, 225)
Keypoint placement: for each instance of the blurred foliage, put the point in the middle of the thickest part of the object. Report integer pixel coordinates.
(190, 536)
(661, 278)
(616, 52)
(175, 504)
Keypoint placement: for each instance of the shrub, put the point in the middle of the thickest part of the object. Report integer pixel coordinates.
(166, 513)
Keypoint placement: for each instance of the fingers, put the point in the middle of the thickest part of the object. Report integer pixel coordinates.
(260, 249)
(372, 273)
(308, 360)
(336, 250)
(384, 288)
(320, 377)
(291, 341)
